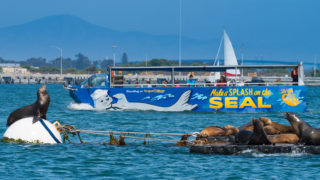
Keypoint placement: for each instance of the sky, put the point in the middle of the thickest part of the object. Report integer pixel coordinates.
(202, 19)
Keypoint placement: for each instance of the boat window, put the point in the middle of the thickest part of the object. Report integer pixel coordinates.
(95, 81)
(98, 81)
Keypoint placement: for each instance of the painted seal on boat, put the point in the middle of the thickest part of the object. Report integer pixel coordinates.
(36, 110)
(307, 134)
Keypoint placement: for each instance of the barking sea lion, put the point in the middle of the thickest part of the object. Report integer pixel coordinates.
(36, 110)
(307, 134)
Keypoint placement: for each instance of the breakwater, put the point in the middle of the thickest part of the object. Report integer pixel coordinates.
(43, 78)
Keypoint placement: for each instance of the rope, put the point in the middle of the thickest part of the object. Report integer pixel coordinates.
(66, 129)
(122, 132)
(70, 129)
(133, 137)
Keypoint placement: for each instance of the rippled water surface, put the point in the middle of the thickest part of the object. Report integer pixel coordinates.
(156, 160)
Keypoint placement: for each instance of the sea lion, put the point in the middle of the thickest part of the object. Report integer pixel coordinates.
(270, 130)
(230, 130)
(283, 138)
(212, 131)
(249, 125)
(257, 137)
(307, 134)
(36, 110)
(270, 127)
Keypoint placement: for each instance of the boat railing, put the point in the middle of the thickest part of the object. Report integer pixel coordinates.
(207, 84)
(175, 69)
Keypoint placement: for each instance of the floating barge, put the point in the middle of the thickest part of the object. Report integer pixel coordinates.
(230, 149)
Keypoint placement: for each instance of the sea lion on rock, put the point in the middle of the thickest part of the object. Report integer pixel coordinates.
(283, 138)
(307, 134)
(36, 110)
(257, 137)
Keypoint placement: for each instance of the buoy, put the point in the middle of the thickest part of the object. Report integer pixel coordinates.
(24, 130)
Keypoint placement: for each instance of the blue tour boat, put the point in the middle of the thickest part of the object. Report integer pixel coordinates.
(114, 91)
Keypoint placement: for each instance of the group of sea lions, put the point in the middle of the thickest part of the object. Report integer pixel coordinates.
(263, 131)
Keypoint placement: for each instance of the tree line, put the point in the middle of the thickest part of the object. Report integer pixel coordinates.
(82, 64)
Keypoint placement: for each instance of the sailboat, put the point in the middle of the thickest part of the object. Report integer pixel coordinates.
(230, 58)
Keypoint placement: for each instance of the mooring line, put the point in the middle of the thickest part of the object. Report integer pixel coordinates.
(133, 137)
(122, 132)
(65, 129)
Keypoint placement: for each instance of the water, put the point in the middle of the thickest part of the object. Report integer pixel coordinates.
(156, 160)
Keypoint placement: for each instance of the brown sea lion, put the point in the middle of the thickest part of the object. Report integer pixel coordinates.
(230, 130)
(274, 127)
(269, 126)
(36, 110)
(212, 131)
(283, 138)
(265, 121)
(307, 134)
(270, 130)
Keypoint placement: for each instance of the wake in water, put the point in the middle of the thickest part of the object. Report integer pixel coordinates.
(87, 107)
(254, 153)
(80, 106)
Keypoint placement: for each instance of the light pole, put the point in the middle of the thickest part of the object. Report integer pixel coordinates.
(114, 47)
(60, 49)
(180, 29)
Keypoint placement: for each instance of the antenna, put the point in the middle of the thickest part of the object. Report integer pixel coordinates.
(180, 30)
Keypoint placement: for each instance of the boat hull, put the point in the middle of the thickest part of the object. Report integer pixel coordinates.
(206, 99)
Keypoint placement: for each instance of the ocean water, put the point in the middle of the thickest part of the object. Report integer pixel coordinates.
(156, 159)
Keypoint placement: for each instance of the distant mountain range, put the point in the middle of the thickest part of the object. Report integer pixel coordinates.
(74, 35)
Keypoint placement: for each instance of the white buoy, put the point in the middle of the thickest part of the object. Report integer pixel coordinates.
(40, 132)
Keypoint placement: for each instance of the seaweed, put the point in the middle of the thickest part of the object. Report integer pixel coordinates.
(114, 141)
(19, 141)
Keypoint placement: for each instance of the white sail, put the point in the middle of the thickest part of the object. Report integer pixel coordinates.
(229, 56)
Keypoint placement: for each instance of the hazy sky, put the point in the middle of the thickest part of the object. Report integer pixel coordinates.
(245, 20)
(201, 18)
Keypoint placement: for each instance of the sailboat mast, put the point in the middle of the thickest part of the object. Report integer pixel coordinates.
(217, 56)
(314, 66)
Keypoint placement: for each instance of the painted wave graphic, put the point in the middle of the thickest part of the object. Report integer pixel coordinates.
(199, 96)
